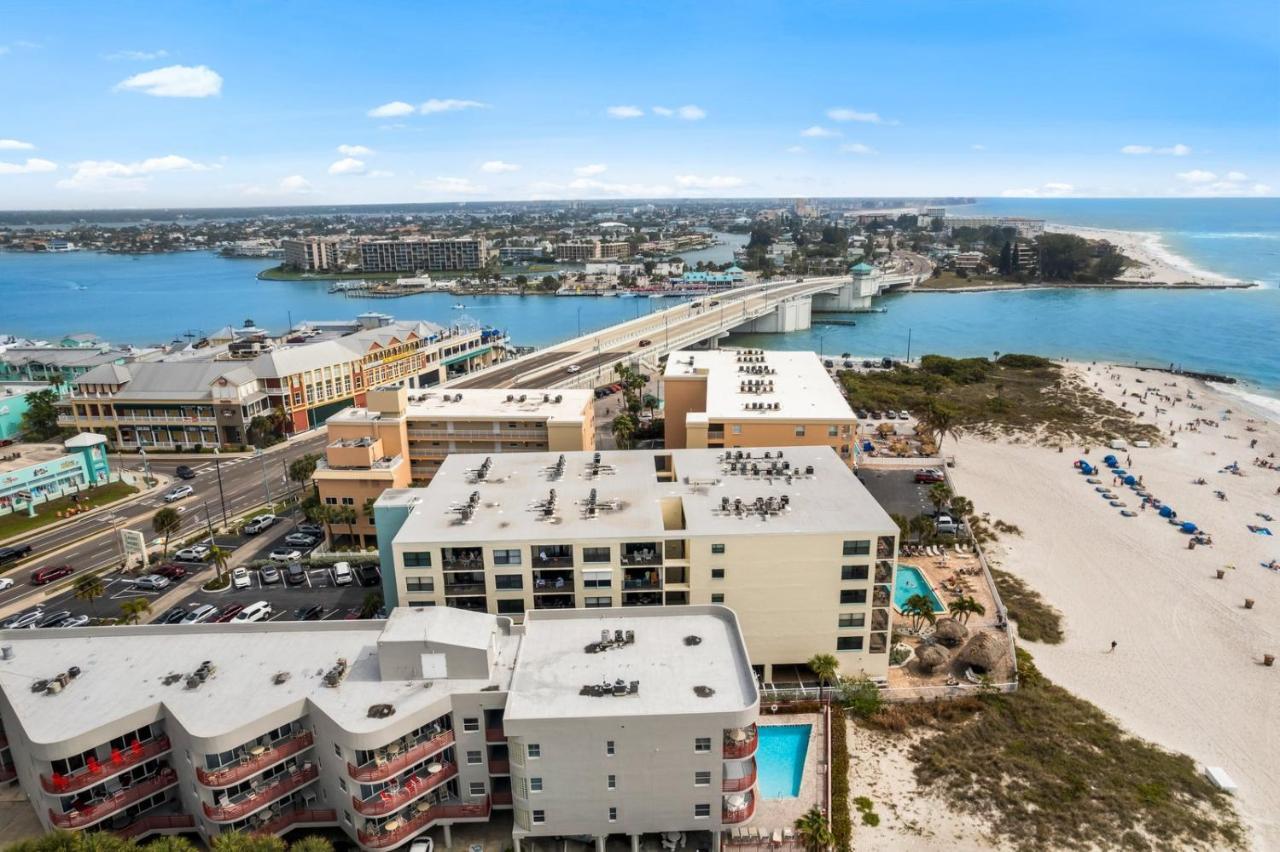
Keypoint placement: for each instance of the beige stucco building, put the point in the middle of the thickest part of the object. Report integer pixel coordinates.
(735, 398)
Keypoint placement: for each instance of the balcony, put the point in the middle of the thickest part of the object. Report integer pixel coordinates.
(738, 785)
(552, 557)
(732, 816)
(251, 763)
(467, 588)
(501, 798)
(274, 789)
(381, 769)
(499, 766)
(553, 602)
(105, 807)
(393, 799)
(296, 816)
(552, 581)
(642, 554)
(7, 774)
(880, 596)
(642, 580)
(740, 743)
(158, 822)
(397, 830)
(121, 759)
(495, 735)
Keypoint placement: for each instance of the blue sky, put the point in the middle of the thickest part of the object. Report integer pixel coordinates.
(237, 103)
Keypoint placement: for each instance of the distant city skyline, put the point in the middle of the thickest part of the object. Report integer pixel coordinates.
(246, 104)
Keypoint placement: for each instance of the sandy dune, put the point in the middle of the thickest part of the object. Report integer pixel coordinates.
(1159, 264)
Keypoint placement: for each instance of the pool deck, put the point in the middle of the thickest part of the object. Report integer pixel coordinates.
(780, 814)
(933, 586)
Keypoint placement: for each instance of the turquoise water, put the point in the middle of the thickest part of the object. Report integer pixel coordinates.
(780, 759)
(911, 581)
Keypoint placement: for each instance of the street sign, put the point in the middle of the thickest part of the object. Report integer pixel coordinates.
(134, 544)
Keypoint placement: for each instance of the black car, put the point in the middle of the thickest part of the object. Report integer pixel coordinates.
(184, 472)
(13, 554)
(368, 575)
(295, 574)
(311, 613)
(172, 616)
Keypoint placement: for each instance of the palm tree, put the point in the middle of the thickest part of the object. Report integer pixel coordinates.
(961, 507)
(348, 515)
(303, 468)
(219, 558)
(940, 495)
(166, 522)
(371, 604)
(311, 843)
(921, 528)
(624, 429)
(939, 421)
(89, 588)
(964, 607)
(920, 608)
(171, 843)
(814, 830)
(651, 402)
(132, 610)
(235, 841)
(826, 667)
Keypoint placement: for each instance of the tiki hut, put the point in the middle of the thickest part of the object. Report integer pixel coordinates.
(932, 656)
(950, 632)
(984, 652)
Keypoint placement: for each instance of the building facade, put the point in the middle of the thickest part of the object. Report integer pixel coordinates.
(39, 473)
(414, 255)
(316, 254)
(387, 731)
(789, 538)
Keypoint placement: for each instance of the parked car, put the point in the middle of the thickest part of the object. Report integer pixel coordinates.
(171, 571)
(904, 415)
(368, 575)
(151, 583)
(49, 573)
(200, 614)
(644, 342)
(228, 613)
(182, 471)
(172, 616)
(13, 554)
(829, 364)
(6, 583)
(946, 525)
(861, 414)
(311, 613)
(342, 574)
(258, 523)
(177, 492)
(53, 619)
(240, 578)
(295, 574)
(269, 575)
(194, 553)
(891, 415)
(22, 619)
(928, 474)
(298, 539)
(257, 611)
(284, 554)
(74, 621)
(573, 368)
(314, 530)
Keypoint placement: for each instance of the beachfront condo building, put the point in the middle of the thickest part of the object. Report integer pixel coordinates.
(581, 251)
(735, 398)
(424, 255)
(317, 254)
(578, 723)
(787, 537)
(400, 437)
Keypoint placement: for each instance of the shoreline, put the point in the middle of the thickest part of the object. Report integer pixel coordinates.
(1159, 263)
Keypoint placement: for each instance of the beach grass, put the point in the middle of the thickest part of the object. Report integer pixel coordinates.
(1052, 771)
(1037, 621)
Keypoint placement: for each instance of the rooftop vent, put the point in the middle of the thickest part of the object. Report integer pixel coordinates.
(618, 688)
(692, 640)
(337, 674)
(381, 711)
(171, 679)
(618, 639)
(556, 471)
(596, 467)
(703, 691)
(279, 678)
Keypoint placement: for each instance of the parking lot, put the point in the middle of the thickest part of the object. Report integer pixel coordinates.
(897, 491)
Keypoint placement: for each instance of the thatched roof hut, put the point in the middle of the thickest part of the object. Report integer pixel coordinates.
(932, 656)
(984, 652)
(950, 632)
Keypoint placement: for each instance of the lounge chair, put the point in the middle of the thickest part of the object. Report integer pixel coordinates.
(789, 834)
(971, 677)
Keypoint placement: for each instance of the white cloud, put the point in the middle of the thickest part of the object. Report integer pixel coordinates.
(1204, 183)
(857, 148)
(1175, 150)
(15, 145)
(33, 165)
(450, 186)
(1178, 150)
(104, 175)
(295, 185)
(1261, 189)
(629, 190)
(381, 173)
(497, 167)
(136, 55)
(591, 169)
(1236, 176)
(347, 166)
(1052, 189)
(175, 81)
(665, 112)
(391, 110)
(819, 132)
(797, 149)
(354, 151)
(709, 182)
(1197, 176)
(846, 114)
(624, 112)
(689, 112)
(1136, 149)
(435, 105)
(978, 147)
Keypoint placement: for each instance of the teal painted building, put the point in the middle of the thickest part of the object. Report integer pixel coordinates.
(40, 473)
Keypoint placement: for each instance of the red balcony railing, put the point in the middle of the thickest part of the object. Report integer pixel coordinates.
(7, 773)
(421, 820)
(495, 735)
(4, 741)
(158, 822)
(737, 749)
(499, 767)
(375, 771)
(252, 763)
(94, 811)
(94, 771)
(296, 816)
(501, 797)
(279, 786)
(390, 800)
(742, 814)
(737, 785)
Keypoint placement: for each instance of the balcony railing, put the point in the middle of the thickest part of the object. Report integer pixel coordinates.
(499, 767)
(7, 773)
(737, 785)
(296, 816)
(495, 735)
(251, 763)
(463, 588)
(391, 800)
(158, 822)
(736, 749)
(381, 839)
(94, 811)
(501, 797)
(93, 772)
(737, 815)
(382, 769)
(277, 787)
(462, 564)
(648, 557)
(552, 561)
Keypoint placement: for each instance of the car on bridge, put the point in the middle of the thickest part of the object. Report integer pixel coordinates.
(573, 368)
(644, 342)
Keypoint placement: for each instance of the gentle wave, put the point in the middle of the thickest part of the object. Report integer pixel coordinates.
(1268, 406)
(1228, 235)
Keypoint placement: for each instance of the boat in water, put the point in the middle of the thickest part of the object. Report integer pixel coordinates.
(459, 307)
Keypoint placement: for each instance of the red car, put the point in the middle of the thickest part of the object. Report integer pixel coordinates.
(171, 571)
(929, 475)
(228, 613)
(49, 573)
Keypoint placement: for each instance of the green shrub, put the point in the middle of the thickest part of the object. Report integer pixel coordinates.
(1023, 362)
(861, 697)
(841, 824)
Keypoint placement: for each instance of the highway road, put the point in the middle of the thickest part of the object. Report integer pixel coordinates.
(93, 542)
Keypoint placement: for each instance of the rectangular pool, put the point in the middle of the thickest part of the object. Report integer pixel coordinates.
(911, 581)
(780, 759)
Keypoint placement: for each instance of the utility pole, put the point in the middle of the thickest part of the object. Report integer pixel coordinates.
(908, 346)
(262, 465)
(222, 497)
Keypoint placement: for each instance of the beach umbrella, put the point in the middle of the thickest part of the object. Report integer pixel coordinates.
(1131, 480)
(950, 632)
(1188, 527)
(1166, 511)
(932, 656)
(1111, 461)
(984, 652)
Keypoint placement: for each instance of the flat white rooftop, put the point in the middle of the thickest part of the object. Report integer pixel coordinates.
(673, 652)
(511, 502)
(485, 404)
(795, 381)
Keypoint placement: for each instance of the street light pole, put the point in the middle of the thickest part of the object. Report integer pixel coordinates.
(208, 520)
(222, 497)
(579, 320)
(262, 465)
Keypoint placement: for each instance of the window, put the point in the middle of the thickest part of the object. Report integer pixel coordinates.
(848, 643)
(596, 554)
(471, 725)
(534, 751)
(737, 428)
(717, 597)
(702, 810)
(342, 785)
(857, 548)
(417, 559)
(799, 431)
(331, 501)
(597, 579)
(508, 582)
(419, 584)
(717, 573)
(474, 758)
(611, 783)
(506, 557)
(421, 604)
(539, 817)
(833, 431)
(510, 606)
(347, 818)
(477, 788)
(702, 745)
(610, 749)
(853, 619)
(613, 814)
(535, 784)
(702, 778)
(597, 602)
(717, 548)
(853, 572)
(853, 596)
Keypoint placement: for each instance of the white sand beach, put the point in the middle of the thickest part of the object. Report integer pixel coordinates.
(1160, 265)
(1187, 672)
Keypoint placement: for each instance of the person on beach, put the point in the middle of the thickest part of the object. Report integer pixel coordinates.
(1113, 647)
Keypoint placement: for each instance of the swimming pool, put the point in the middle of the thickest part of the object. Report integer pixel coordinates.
(780, 759)
(911, 581)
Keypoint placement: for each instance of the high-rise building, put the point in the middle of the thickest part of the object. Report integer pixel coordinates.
(315, 254)
(422, 254)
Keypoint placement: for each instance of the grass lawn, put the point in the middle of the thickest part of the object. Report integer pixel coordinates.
(16, 523)
(951, 281)
(279, 273)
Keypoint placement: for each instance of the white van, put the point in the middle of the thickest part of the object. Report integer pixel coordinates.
(253, 612)
(342, 573)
